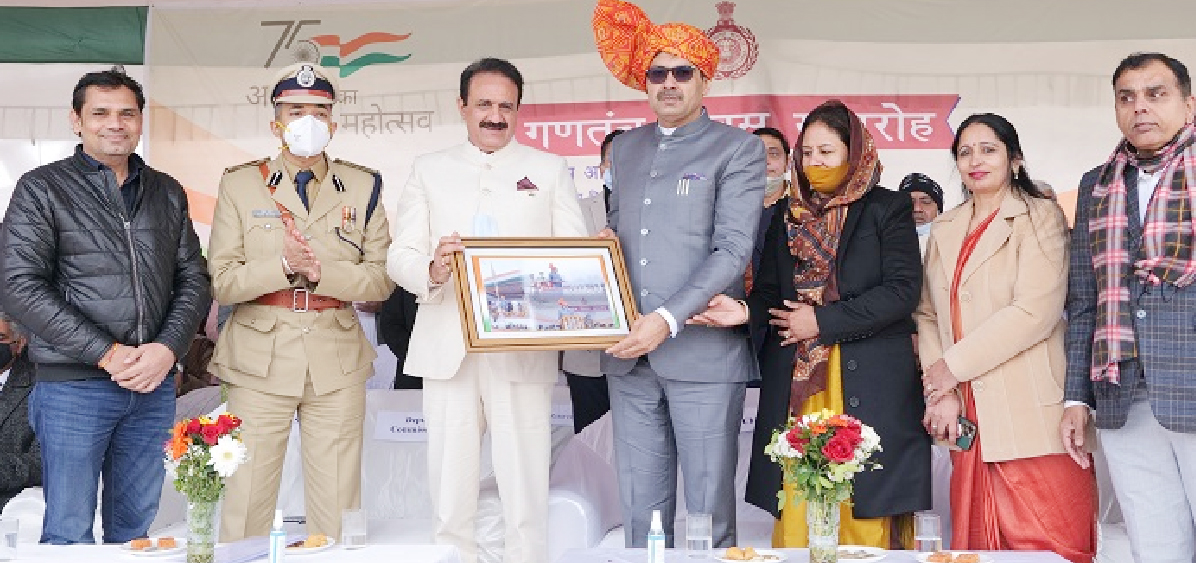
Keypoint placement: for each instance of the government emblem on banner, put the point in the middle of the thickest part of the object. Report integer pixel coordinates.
(737, 46)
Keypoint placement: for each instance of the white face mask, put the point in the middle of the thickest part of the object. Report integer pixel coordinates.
(484, 225)
(608, 179)
(306, 136)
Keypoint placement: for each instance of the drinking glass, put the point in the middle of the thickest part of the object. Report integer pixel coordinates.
(928, 532)
(353, 529)
(8, 538)
(698, 535)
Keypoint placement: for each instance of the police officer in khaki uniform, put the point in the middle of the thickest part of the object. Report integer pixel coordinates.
(295, 240)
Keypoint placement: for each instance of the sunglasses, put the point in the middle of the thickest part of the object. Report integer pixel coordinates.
(658, 74)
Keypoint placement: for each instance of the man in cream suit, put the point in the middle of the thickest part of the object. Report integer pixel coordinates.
(489, 186)
(295, 240)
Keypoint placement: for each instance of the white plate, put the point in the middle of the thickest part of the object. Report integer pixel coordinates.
(154, 551)
(772, 556)
(873, 554)
(310, 550)
(984, 558)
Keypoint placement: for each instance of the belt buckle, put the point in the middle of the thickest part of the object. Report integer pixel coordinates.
(295, 300)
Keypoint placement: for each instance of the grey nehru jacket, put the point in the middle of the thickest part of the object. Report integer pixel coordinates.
(685, 207)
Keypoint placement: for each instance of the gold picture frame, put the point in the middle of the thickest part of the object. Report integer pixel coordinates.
(522, 294)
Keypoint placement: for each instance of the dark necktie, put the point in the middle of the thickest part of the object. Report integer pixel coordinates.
(301, 180)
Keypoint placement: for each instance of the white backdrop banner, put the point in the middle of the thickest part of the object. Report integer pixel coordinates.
(912, 68)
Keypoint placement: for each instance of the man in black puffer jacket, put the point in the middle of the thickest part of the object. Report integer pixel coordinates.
(99, 263)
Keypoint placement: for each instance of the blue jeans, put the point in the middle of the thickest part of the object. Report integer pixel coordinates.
(91, 429)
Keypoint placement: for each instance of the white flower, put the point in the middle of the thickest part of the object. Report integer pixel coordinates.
(871, 441)
(227, 455)
(785, 449)
(780, 448)
(861, 455)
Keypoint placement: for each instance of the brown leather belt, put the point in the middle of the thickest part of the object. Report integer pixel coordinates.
(299, 300)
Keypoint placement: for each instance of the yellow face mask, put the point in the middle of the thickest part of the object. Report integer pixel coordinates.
(824, 179)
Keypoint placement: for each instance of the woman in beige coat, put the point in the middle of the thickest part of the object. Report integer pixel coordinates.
(990, 326)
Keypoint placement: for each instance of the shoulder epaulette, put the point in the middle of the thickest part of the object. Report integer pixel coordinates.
(257, 162)
(365, 169)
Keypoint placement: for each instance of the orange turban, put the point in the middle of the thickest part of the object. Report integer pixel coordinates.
(628, 41)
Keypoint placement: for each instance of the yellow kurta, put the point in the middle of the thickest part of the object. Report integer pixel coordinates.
(790, 530)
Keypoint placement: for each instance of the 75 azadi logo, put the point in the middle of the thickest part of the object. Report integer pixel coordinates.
(330, 51)
(348, 57)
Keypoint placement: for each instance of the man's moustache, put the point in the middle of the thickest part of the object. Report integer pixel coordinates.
(669, 95)
(492, 125)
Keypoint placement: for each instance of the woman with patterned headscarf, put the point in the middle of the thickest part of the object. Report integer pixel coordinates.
(838, 283)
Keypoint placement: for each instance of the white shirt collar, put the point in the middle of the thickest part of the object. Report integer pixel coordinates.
(1146, 186)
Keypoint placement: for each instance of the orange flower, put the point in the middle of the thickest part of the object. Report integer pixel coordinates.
(179, 441)
(818, 428)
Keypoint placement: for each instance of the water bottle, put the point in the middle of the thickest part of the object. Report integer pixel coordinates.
(656, 539)
(278, 539)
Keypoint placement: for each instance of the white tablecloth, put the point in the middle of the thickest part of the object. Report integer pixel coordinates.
(583, 499)
(611, 555)
(371, 553)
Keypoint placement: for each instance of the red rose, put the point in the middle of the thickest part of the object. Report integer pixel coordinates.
(797, 441)
(211, 434)
(851, 434)
(193, 426)
(838, 450)
(225, 423)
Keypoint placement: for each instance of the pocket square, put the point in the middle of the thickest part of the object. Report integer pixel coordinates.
(526, 185)
(683, 183)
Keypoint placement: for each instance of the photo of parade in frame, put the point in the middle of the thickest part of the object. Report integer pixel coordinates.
(543, 293)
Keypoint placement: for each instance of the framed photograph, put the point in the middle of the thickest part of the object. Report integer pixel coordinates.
(520, 294)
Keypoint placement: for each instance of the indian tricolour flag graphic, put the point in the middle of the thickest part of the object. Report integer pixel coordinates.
(355, 54)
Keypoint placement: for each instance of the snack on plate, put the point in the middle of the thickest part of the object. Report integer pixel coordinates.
(854, 554)
(967, 558)
(746, 554)
(939, 557)
(167, 542)
(316, 540)
(140, 544)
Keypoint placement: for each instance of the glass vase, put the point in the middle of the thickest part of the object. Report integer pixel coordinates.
(201, 531)
(822, 521)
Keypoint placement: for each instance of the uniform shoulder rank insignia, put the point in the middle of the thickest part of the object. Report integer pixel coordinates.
(365, 169)
(257, 162)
